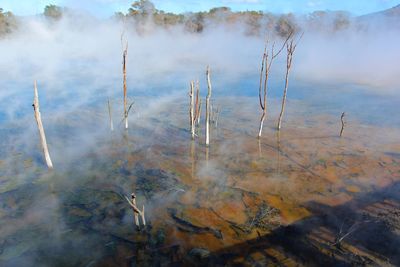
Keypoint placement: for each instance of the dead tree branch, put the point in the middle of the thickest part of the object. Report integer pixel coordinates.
(124, 55)
(38, 117)
(268, 58)
(290, 47)
(136, 211)
(208, 107)
(191, 109)
(342, 235)
(197, 103)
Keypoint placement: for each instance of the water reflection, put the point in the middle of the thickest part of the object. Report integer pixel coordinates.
(237, 202)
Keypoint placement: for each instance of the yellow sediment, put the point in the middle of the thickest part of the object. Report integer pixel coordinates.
(289, 211)
(353, 189)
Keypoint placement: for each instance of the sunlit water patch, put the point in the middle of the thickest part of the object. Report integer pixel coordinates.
(304, 196)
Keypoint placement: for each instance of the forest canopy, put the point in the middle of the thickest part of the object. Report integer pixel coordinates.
(8, 22)
(143, 13)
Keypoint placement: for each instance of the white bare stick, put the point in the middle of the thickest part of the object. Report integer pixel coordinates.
(208, 107)
(135, 209)
(197, 107)
(211, 112)
(291, 47)
(36, 109)
(110, 115)
(143, 218)
(191, 110)
(199, 113)
(266, 63)
(288, 65)
(263, 103)
(124, 55)
(135, 213)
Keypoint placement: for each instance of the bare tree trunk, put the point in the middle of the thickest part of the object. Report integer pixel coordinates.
(208, 107)
(268, 58)
(278, 141)
(143, 218)
(124, 55)
(199, 113)
(291, 47)
(261, 123)
(284, 94)
(191, 110)
(110, 115)
(343, 124)
(197, 102)
(135, 214)
(36, 109)
(136, 211)
(263, 103)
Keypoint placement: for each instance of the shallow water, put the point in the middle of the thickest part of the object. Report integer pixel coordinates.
(303, 197)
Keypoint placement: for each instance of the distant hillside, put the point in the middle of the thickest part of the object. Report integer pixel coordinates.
(143, 16)
(389, 17)
(391, 12)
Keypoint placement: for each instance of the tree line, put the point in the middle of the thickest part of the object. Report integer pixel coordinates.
(143, 12)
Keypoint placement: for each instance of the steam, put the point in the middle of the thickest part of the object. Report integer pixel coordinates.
(77, 62)
(364, 58)
(78, 59)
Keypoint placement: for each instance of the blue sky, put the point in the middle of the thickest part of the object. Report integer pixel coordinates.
(104, 8)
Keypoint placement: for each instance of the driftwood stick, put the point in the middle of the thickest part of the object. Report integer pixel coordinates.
(36, 109)
(343, 124)
(110, 115)
(208, 107)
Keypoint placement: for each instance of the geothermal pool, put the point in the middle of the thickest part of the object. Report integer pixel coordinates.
(302, 197)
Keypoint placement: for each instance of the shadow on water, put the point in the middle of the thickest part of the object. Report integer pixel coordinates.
(202, 204)
(368, 225)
